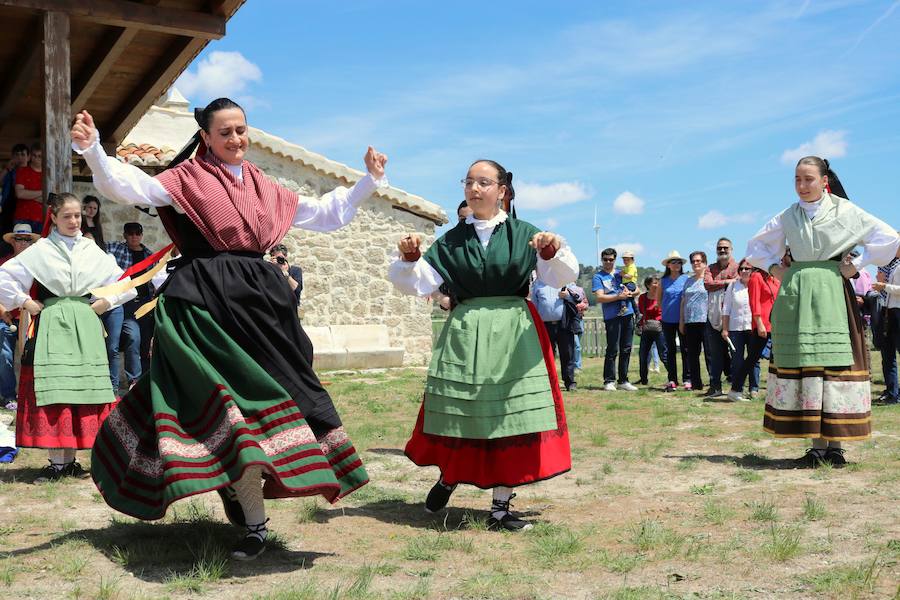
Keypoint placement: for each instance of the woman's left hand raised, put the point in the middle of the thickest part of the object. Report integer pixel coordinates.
(375, 162)
(546, 243)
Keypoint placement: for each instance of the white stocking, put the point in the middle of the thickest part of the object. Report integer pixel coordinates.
(250, 495)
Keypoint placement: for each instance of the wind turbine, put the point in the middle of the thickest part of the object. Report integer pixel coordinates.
(597, 234)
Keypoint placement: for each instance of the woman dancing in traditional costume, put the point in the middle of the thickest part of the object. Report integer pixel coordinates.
(492, 414)
(231, 394)
(818, 384)
(64, 391)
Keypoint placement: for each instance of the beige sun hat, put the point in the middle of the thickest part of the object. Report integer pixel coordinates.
(673, 255)
(628, 254)
(20, 229)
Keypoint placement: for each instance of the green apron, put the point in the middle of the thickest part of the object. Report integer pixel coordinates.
(487, 377)
(70, 360)
(809, 318)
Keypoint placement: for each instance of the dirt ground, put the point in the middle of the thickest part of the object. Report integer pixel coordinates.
(670, 496)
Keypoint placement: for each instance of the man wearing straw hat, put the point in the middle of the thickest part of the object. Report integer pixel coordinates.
(20, 238)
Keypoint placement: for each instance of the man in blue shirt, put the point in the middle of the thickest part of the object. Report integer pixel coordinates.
(618, 318)
(551, 307)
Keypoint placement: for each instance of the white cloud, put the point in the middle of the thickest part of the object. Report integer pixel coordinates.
(714, 219)
(628, 204)
(535, 196)
(551, 223)
(635, 247)
(827, 144)
(219, 74)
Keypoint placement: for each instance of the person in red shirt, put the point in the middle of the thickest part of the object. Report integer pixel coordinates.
(762, 289)
(651, 327)
(29, 191)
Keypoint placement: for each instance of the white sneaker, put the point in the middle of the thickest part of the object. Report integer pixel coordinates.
(734, 396)
(628, 387)
(610, 387)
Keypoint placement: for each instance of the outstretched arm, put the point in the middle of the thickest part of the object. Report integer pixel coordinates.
(410, 273)
(338, 207)
(120, 182)
(560, 267)
(767, 247)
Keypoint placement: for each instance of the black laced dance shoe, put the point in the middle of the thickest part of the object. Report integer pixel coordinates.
(502, 518)
(835, 457)
(438, 497)
(50, 473)
(253, 544)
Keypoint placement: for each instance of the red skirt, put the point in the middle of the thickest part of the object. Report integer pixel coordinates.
(509, 461)
(56, 425)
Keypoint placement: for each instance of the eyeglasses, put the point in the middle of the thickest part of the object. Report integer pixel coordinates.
(723, 248)
(21, 239)
(482, 183)
(745, 269)
(608, 259)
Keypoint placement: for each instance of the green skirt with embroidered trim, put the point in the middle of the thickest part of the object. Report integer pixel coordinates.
(487, 377)
(809, 320)
(70, 360)
(205, 413)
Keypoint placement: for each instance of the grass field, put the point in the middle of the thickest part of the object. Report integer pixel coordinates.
(669, 497)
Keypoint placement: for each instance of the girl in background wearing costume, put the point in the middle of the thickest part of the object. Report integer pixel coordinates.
(64, 391)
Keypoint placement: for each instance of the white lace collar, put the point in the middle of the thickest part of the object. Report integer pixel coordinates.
(500, 217)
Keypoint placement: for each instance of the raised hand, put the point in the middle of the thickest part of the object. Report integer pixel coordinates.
(546, 244)
(375, 162)
(84, 134)
(409, 247)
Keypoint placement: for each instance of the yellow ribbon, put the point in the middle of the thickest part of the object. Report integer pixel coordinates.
(120, 287)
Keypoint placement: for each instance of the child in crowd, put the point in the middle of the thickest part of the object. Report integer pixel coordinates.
(629, 275)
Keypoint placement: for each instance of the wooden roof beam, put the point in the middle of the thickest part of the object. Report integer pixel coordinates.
(21, 74)
(122, 13)
(102, 60)
(157, 81)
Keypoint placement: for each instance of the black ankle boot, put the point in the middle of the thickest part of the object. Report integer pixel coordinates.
(253, 544)
(438, 496)
(502, 518)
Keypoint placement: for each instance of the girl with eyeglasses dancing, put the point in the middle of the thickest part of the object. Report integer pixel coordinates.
(492, 414)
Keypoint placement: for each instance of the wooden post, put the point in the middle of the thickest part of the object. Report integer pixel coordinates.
(57, 104)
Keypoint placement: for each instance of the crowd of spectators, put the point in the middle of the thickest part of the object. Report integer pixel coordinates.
(717, 317)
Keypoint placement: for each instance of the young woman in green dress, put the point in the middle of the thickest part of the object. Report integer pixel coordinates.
(818, 385)
(492, 414)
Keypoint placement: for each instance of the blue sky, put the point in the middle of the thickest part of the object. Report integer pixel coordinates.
(679, 122)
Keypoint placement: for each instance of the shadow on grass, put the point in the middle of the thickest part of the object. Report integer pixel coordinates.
(387, 451)
(161, 552)
(412, 514)
(747, 461)
(19, 474)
